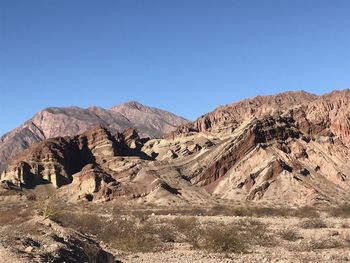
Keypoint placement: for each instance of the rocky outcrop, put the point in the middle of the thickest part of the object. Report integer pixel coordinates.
(58, 244)
(59, 122)
(327, 114)
(261, 106)
(56, 160)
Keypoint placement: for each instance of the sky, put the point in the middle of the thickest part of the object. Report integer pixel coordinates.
(184, 56)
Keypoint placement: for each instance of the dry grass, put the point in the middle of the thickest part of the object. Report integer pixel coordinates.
(224, 210)
(7, 218)
(188, 229)
(127, 236)
(347, 238)
(87, 223)
(317, 244)
(340, 211)
(222, 238)
(289, 234)
(313, 223)
(15, 215)
(139, 231)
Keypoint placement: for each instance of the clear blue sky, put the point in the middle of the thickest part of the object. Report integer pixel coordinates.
(186, 56)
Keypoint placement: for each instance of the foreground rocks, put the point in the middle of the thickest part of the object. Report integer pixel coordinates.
(32, 238)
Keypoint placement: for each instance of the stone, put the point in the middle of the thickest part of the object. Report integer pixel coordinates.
(29, 249)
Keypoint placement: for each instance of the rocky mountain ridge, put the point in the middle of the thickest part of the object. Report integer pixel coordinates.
(330, 111)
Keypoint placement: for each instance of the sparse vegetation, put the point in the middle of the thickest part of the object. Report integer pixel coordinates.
(31, 197)
(222, 238)
(347, 238)
(340, 211)
(91, 252)
(87, 223)
(188, 229)
(46, 209)
(316, 244)
(127, 236)
(289, 234)
(313, 223)
(142, 230)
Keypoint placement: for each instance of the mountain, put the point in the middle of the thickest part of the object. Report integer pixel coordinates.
(234, 114)
(290, 148)
(329, 112)
(55, 122)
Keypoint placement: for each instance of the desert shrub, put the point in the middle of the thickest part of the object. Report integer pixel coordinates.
(140, 216)
(188, 228)
(84, 222)
(347, 238)
(342, 210)
(31, 197)
(128, 236)
(242, 211)
(256, 211)
(184, 224)
(166, 233)
(304, 212)
(227, 210)
(313, 223)
(91, 252)
(269, 211)
(47, 212)
(46, 209)
(289, 234)
(315, 244)
(250, 211)
(301, 212)
(256, 233)
(222, 238)
(219, 210)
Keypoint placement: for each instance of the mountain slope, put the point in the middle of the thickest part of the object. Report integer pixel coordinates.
(149, 120)
(328, 113)
(55, 122)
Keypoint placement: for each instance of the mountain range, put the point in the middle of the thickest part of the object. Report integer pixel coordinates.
(290, 148)
(55, 122)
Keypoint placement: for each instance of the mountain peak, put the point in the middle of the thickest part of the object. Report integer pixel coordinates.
(133, 104)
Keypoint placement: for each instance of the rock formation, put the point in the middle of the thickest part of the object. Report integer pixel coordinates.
(289, 148)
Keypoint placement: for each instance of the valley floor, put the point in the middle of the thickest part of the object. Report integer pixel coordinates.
(38, 230)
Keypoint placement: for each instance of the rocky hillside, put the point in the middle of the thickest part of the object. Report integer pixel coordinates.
(54, 122)
(329, 112)
(234, 114)
(288, 148)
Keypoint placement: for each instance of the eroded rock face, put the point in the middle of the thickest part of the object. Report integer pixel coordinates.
(233, 115)
(279, 151)
(325, 114)
(56, 160)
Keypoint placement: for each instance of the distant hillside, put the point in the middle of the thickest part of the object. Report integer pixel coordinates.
(55, 122)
